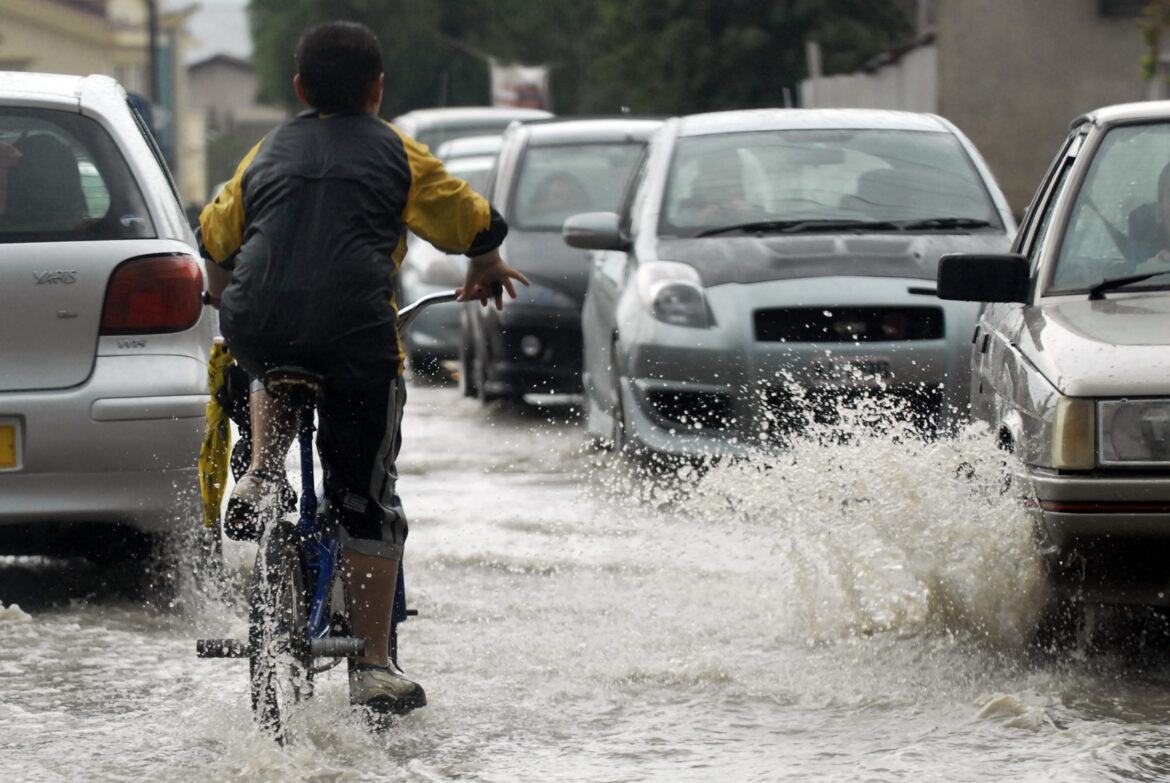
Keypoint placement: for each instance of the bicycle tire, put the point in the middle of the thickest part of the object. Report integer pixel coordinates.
(280, 665)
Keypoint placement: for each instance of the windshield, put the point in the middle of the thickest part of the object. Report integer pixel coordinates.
(1117, 225)
(870, 176)
(560, 181)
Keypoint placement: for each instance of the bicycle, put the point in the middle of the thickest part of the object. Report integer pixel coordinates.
(297, 610)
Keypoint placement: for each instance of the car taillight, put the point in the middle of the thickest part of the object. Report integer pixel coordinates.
(153, 294)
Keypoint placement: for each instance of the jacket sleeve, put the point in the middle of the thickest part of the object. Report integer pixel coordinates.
(221, 224)
(444, 210)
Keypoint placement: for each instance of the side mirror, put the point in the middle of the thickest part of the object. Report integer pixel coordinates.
(594, 231)
(973, 277)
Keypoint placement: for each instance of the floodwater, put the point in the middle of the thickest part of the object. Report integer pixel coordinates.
(847, 612)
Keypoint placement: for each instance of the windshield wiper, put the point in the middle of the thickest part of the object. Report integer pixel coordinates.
(943, 222)
(799, 226)
(1111, 283)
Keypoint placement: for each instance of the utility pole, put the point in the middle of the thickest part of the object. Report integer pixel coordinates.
(152, 90)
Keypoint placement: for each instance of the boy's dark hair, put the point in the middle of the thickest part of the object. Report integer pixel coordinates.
(338, 63)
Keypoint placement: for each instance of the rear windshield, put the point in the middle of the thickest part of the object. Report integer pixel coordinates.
(558, 182)
(63, 179)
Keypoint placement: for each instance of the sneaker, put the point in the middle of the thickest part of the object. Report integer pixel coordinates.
(384, 689)
(256, 496)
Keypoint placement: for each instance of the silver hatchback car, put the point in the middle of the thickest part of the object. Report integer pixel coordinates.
(768, 266)
(1070, 364)
(103, 339)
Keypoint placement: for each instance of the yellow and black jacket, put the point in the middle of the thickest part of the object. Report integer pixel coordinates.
(313, 226)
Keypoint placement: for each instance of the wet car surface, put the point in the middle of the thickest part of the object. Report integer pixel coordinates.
(103, 383)
(771, 266)
(1070, 366)
(546, 171)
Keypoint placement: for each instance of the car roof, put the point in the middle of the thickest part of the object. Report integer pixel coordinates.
(561, 130)
(56, 89)
(807, 119)
(1124, 112)
(469, 145)
(465, 115)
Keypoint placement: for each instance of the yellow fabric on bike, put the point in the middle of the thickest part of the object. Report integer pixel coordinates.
(215, 452)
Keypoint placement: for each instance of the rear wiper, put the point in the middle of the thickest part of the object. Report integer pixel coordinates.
(799, 226)
(1110, 283)
(943, 222)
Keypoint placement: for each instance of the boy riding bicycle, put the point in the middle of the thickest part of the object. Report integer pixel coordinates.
(302, 248)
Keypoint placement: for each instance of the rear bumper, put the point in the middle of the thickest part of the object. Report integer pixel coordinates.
(121, 448)
(151, 501)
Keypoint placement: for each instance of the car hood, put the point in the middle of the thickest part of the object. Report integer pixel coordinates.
(1118, 346)
(546, 260)
(755, 259)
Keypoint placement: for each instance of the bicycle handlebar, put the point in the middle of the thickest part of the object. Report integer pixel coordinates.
(407, 314)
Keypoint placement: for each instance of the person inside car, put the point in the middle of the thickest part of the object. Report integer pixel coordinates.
(302, 247)
(1160, 261)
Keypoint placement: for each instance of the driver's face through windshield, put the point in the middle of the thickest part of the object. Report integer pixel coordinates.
(865, 175)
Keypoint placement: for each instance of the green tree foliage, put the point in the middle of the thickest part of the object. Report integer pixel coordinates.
(656, 56)
(678, 56)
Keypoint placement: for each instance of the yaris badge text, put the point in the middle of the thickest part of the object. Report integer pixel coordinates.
(56, 276)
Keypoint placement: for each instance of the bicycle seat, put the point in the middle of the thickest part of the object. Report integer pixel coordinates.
(291, 381)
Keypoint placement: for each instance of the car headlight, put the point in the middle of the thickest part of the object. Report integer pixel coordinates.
(1073, 436)
(1134, 432)
(674, 293)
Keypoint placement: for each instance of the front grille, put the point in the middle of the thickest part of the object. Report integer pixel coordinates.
(692, 410)
(791, 412)
(848, 324)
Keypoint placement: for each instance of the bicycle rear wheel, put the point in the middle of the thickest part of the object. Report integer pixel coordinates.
(279, 660)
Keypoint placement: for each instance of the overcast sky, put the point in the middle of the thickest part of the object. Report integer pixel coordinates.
(219, 27)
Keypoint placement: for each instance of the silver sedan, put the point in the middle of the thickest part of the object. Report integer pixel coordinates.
(1070, 366)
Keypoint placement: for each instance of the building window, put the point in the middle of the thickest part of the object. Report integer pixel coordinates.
(1121, 9)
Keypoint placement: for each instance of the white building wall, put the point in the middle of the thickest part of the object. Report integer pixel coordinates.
(910, 84)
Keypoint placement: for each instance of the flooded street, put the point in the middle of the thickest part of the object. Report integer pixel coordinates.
(854, 612)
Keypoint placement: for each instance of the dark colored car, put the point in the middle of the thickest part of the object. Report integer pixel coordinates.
(546, 171)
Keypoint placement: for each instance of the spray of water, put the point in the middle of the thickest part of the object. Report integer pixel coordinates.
(870, 525)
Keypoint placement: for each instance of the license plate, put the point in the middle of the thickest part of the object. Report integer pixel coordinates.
(851, 371)
(8, 453)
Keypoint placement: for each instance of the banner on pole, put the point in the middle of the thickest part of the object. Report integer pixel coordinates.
(520, 85)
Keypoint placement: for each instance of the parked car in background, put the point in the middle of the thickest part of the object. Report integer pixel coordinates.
(103, 383)
(470, 147)
(545, 172)
(767, 265)
(434, 337)
(434, 126)
(1070, 365)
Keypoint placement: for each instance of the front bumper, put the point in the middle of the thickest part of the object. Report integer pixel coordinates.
(533, 350)
(1084, 506)
(727, 390)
